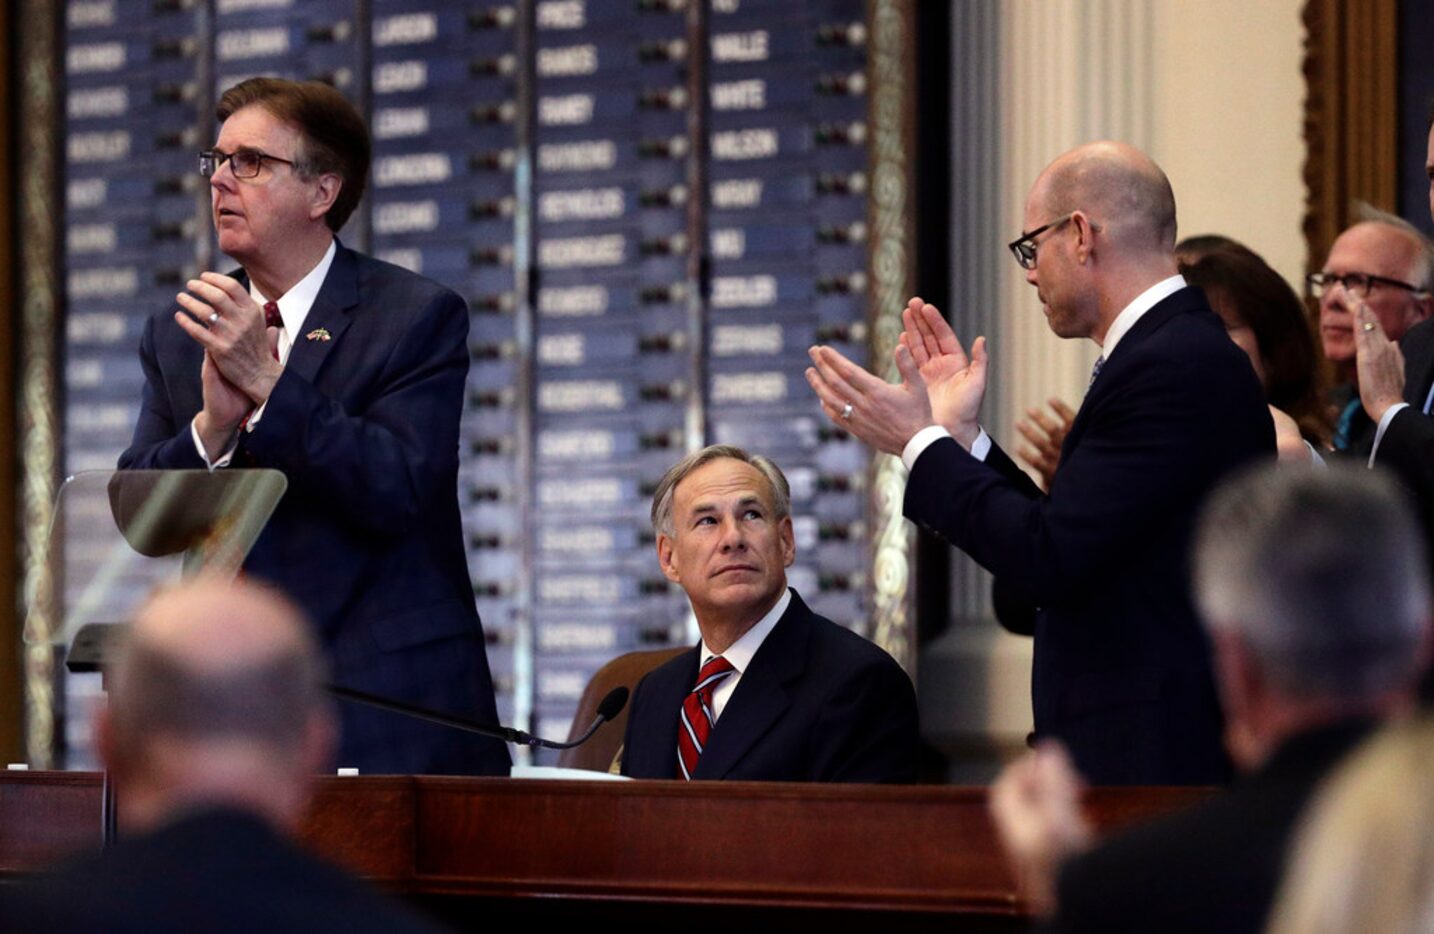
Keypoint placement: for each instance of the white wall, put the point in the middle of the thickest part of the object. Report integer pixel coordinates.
(1229, 100)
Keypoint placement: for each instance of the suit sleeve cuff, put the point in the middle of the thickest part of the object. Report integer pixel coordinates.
(929, 435)
(1388, 417)
(253, 421)
(981, 446)
(919, 442)
(224, 458)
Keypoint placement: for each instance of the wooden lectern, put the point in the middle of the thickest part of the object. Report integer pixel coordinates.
(705, 855)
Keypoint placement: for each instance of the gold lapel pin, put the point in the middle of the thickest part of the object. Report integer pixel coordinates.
(319, 334)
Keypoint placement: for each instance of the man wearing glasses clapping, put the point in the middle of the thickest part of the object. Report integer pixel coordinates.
(347, 374)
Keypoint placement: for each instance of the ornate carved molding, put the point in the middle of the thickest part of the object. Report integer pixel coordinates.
(891, 277)
(37, 414)
(11, 676)
(1351, 122)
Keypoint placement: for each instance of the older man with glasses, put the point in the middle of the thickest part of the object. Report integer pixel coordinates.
(347, 374)
(1397, 388)
(1386, 266)
(1122, 670)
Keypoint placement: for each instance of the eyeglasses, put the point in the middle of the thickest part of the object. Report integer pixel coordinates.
(244, 163)
(1023, 248)
(1357, 284)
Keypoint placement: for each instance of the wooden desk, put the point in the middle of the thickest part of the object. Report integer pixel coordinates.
(802, 857)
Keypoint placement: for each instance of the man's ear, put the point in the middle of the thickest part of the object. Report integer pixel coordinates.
(326, 192)
(1244, 692)
(1086, 230)
(789, 541)
(665, 558)
(320, 742)
(1237, 672)
(1425, 305)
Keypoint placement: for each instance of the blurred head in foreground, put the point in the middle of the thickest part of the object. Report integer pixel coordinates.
(1312, 585)
(215, 699)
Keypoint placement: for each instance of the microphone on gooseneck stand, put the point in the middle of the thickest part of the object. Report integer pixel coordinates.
(610, 706)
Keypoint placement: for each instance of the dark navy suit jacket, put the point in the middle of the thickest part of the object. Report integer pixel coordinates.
(1212, 867)
(1122, 669)
(1407, 447)
(818, 703)
(367, 539)
(216, 869)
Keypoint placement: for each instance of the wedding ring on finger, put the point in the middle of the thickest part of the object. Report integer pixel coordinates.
(1368, 326)
(846, 412)
(214, 317)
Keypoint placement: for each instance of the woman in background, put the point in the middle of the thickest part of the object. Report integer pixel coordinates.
(1265, 317)
(1363, 859)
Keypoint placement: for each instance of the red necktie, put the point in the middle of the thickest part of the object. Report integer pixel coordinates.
(697, 715)
(272, 319)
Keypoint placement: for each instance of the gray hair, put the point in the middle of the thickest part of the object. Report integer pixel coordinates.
(662, 497)
(1321, 572)
(1422, 274)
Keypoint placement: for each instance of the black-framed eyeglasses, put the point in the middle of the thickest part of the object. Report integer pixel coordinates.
(1023, 248)
(1358, 284)
(244, 163)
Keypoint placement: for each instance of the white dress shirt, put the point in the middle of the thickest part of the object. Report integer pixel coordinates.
(740, 653)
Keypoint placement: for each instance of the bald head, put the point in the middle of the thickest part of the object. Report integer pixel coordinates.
(214, 628)
(216, 694)
(1120, 188)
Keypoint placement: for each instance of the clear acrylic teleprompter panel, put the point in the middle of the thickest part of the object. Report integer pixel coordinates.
(116, 535)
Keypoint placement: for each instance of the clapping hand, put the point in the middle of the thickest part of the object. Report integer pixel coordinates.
(955, 383)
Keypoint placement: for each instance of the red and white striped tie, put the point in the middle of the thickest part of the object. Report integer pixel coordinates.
(697, 715)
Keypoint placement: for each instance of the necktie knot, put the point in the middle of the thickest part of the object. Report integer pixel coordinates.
(712, 674)
(1095, 371)
(272, 318)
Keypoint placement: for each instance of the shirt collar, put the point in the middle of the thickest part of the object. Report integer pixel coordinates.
(294, 304)
(740, 653)
(1133, 312)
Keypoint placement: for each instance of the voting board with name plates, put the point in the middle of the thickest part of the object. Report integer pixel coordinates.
(652, 208)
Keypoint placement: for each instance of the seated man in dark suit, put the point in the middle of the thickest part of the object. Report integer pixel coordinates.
(773, 692)
(1311, 583)
(215, 726)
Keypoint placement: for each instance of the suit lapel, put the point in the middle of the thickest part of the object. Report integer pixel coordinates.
(329, 315)
(659, 757)
(1176, 303)
(762, 696)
